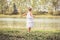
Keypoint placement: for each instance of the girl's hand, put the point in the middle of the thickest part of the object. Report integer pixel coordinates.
(24, 14)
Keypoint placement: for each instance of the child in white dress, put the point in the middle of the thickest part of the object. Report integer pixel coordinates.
(29, 20)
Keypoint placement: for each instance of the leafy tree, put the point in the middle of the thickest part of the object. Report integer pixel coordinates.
(55, 3)
(3, 5)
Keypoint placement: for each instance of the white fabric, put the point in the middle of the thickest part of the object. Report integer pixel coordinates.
(29, 24)
(29, 20)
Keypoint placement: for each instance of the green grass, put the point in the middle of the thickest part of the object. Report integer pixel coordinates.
(22, 34)
(35, 16)
(39, 31)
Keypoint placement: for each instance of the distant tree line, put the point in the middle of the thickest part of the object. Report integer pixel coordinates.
(39, 7)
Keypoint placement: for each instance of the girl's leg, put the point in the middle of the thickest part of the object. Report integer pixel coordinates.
(29, 29)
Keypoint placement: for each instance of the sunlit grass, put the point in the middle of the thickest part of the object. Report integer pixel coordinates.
(22, 34)
(15, 30)
(35, 16)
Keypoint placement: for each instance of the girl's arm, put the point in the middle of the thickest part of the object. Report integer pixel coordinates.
(31, 14)
(23, 14)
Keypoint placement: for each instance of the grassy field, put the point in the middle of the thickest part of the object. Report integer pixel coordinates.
(35, 16)
(16, 30)
(22, 34)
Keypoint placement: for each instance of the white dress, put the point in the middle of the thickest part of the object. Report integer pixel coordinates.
(29, 20)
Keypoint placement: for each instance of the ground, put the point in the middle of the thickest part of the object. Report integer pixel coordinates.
(22, 34)
(14, 28)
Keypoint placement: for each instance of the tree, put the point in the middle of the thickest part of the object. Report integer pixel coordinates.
(15, 11)
(3, 5)
(55, 3)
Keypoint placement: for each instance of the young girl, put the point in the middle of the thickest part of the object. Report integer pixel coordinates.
(29, 19)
